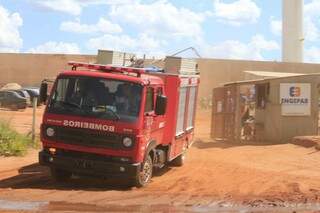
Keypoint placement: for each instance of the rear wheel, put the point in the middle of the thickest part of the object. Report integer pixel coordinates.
(144, 176)
(60, 175)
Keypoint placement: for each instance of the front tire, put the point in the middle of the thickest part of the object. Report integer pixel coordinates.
(60, 175)
(144, 176)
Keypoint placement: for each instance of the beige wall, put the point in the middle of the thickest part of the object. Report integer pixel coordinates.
(30, 69)
(269, 122)
(215, 72)
(282, 128)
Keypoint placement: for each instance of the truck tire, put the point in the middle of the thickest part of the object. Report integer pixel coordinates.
(180, 160)
(144, 176)
(60, 175)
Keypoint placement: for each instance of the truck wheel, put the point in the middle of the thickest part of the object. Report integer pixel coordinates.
(60, 175)
(180, 160)
(144, 176)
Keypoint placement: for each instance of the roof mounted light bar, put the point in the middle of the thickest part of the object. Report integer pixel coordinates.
(107, 68)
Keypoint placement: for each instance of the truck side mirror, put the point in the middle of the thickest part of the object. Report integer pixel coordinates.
(161, 105)
(43, 93)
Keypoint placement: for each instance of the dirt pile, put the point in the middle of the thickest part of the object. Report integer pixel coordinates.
(307, 141)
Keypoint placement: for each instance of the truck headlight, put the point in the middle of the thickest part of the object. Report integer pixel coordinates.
(50, 132)
(127, 142)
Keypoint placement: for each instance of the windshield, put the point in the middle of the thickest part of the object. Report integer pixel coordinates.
(96, 97)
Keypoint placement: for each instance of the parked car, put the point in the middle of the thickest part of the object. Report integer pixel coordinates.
(24, 94)
(12, 100)
(34, 93)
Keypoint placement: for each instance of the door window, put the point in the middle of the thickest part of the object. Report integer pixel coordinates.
(149, 100)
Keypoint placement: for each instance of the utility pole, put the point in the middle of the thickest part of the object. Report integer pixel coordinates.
(34, 105)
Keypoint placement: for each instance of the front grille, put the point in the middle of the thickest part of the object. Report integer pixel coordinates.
(83, 137)
(83, 155)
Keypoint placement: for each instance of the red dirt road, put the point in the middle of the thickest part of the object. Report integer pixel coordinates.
(215, 175)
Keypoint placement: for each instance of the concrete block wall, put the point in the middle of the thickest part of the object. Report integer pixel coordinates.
(30, 69)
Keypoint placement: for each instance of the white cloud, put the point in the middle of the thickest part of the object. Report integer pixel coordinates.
(151, 25)
(143, 44)
(311, 31)
(238, 12)
(10, 40)
(312, 55)
(67, 6)
(312, 8)
(311, 19)
(74, 7)
(56, 47)
(233, 49)
(260, 43)
(276, 26)
(102, 26)
(160, 18)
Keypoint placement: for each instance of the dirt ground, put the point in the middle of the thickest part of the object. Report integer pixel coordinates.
(21, 120)
(217, 176)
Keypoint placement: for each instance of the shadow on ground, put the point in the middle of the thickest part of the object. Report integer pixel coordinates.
(210, 143)
(35, 176)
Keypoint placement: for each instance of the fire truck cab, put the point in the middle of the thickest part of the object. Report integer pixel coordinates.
(116, 121)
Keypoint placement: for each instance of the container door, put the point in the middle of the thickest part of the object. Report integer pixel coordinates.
(223, 113)
(179, 140)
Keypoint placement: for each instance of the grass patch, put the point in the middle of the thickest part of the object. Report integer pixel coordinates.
(13, 143)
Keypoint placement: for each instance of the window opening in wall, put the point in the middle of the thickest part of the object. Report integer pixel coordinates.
(247, 111)
(262, 92)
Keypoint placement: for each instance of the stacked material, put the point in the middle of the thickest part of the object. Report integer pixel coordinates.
(181, 66)
(11, 86)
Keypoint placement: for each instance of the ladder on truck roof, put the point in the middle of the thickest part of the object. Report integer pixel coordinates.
(108, 68)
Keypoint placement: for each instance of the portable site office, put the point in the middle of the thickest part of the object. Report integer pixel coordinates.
(266, 110)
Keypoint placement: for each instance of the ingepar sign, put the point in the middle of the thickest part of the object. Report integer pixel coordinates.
(295, 99)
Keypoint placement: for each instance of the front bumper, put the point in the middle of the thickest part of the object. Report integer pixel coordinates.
(89, 167)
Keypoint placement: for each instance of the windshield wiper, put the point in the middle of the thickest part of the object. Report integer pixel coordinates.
(113, 113)
(106, 109)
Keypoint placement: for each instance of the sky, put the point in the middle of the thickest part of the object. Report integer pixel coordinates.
(230, 29)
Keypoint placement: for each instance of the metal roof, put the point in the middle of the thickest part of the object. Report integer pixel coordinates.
(268, 74)
(262, 80)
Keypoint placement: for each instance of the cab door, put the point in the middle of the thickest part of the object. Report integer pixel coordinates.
(153, 124)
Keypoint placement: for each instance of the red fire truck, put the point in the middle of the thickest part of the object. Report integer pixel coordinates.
(115, 121)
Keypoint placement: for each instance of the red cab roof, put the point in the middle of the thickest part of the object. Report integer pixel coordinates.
(137, 75)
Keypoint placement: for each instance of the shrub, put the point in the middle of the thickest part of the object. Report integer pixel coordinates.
(11, 142)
